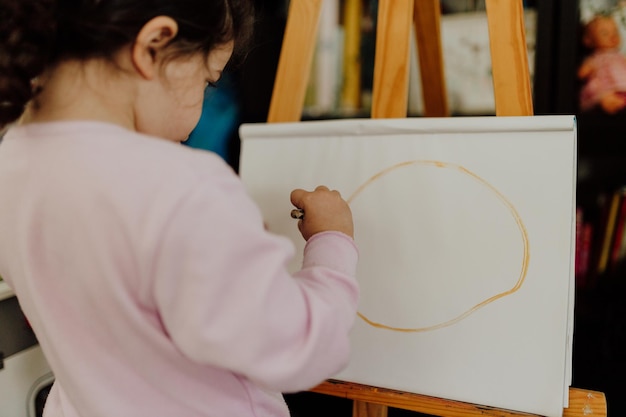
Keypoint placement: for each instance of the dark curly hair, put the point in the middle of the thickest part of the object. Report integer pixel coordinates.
(36, 34)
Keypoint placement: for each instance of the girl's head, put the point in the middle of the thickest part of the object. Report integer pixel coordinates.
(37, 36)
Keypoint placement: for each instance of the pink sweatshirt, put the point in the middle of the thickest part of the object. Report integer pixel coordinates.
(153, 288)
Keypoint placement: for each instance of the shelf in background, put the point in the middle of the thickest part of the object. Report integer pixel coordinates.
(601, 151)
(601, 134)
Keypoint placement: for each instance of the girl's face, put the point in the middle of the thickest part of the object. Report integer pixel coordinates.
(174, 107)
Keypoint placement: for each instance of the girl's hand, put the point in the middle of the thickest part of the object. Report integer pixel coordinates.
(324, 210)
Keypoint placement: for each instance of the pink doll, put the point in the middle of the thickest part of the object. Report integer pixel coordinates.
(604, 70)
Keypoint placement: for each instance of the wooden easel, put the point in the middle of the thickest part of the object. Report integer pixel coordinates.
(513, 97)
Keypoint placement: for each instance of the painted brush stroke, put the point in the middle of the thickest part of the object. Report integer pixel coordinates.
(514, 215)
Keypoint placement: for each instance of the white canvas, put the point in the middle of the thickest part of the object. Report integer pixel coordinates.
(465, 231)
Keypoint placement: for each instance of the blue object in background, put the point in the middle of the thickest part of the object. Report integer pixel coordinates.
(219, 120)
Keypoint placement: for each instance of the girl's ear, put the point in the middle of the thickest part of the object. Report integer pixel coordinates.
(151, 40)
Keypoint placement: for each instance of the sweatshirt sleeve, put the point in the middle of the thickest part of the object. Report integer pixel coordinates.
(226, 299)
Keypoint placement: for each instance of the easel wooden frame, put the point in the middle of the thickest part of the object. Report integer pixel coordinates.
(513, 97)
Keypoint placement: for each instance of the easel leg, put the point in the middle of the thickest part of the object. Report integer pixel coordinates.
(294, 64)
(391, 63)
(365, 409)
(509, 58)
(427, 17)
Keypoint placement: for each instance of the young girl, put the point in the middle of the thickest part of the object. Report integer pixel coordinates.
(142, 265)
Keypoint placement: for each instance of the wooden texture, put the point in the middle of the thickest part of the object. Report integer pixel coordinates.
(583, 403)
(294, 64)
(365, 409)
(391, 61)
(427, 18)
(509, 58)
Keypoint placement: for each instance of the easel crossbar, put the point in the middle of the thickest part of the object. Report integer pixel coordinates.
(583, 403)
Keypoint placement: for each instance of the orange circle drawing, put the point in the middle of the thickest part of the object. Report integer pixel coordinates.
(511, 209)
